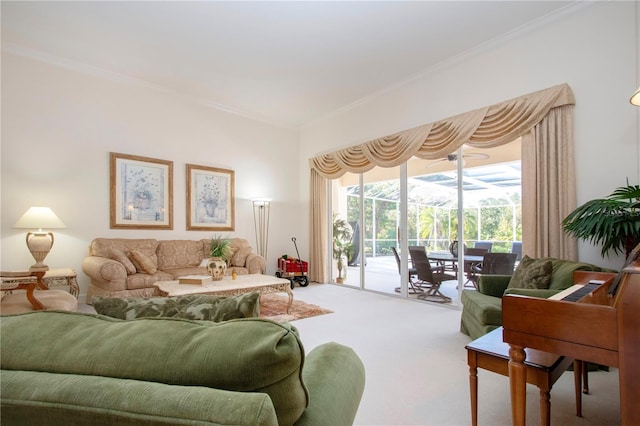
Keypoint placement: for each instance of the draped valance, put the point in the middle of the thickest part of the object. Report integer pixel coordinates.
(482, 128)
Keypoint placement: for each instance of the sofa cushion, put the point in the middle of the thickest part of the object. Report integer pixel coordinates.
(194, 307)
(142, 262)
(531, 273)
(248, 355)
(179, 254)
(240, 256)
(121, 256)
(102, 247)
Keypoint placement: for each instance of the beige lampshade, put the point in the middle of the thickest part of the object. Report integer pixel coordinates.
(635, 98)
(39, 242)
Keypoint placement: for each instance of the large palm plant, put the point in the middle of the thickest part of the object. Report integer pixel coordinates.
(613, 222)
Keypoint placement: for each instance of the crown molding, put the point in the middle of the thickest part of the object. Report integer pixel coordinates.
(104, 74)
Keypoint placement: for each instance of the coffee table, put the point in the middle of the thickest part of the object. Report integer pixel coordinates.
(229, 287)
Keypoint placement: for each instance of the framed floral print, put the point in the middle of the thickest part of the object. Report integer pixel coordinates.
(141, 192)
(210, 199)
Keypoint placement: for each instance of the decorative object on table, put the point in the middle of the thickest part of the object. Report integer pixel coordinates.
(613, 222)
(453, 247)
(342, 245)
(261, 210)
(210, 198)
(40, 241)
(195, 279)
(141, 192)
(216, 269)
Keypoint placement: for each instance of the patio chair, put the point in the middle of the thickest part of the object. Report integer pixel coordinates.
(412, 272)
(429, 278)
(496, 264)
(471, 269)
(488, 245)
(516, 247)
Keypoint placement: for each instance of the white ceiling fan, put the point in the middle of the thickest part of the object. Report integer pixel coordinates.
(453, 157)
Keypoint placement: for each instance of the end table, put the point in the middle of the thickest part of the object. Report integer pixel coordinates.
(57, 277)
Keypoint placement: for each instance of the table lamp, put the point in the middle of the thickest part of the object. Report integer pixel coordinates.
(39, 242)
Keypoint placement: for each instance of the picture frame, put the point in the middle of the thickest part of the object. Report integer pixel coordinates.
(141, 195)
(210, 199)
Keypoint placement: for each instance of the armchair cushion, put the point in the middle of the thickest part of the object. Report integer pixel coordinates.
(532, 273)
(194, 307)
(493, 285)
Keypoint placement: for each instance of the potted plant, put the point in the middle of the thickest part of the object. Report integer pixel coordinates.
(220, 248)
(342, 233)
(613, 222)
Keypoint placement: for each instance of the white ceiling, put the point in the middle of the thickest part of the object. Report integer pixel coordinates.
(286, 63)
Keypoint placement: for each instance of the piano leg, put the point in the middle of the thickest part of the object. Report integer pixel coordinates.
(578, 367)
(518, 382)
(545, 407)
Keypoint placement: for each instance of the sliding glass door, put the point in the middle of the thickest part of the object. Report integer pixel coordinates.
(421, 203)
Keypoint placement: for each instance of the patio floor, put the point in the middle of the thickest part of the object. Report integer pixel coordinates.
(381, 275)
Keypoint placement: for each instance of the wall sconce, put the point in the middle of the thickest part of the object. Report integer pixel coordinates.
(261, 210)
(635, 98)
(39, 242)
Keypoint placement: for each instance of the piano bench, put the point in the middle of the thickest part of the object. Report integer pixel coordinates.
(490, 353)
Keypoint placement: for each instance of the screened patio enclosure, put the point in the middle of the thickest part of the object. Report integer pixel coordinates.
(492, 210)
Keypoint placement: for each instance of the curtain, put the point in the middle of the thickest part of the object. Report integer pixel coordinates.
(548, 186)
(482, 128)
(318, 231)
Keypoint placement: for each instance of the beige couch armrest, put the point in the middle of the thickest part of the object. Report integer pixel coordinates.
(105, 273)
(255, 264)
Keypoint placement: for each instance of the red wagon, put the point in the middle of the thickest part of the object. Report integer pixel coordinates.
(295, 270)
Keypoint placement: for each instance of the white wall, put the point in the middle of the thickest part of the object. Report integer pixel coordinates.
(592, 47)
(59, 125)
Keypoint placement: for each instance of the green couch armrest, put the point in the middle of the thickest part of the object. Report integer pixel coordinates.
(334, 376)
(493, 285)
(532, 292)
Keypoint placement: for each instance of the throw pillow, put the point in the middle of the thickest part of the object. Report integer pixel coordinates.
(142, 262)
(121, 257)
(193, 307)
(240, 258)
(531, 273)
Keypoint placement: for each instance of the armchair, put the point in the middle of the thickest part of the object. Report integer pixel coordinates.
(482, 308)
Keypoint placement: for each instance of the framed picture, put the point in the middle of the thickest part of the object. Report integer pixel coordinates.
(210, 199)
(141, 192)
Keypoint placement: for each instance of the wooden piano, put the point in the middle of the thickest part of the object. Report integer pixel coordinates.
(602, 326)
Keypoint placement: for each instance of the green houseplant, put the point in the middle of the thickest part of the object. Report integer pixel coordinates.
(341, 245)
(613, 222)
(219, 247)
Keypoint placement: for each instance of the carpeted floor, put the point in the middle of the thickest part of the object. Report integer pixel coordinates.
(274, 307)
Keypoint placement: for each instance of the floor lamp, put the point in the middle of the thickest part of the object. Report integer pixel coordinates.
(261, 210)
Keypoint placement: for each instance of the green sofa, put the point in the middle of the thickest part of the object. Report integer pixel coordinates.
(482, 308)
(66, 368)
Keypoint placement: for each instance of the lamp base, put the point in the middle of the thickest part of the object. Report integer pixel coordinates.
(39, 244)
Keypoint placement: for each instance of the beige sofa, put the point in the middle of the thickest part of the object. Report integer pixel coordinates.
(123, 267)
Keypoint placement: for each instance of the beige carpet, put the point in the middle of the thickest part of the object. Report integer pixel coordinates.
(274, 307)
